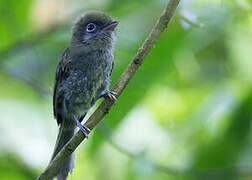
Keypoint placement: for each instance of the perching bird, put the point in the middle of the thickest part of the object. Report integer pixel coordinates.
(82, 77)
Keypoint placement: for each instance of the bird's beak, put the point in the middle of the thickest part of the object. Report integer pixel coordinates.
(111, 26)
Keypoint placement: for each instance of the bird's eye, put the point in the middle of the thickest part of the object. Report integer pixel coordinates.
(91, 27)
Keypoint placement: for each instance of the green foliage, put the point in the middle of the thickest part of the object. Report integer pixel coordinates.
(14, 23)
(12, 167)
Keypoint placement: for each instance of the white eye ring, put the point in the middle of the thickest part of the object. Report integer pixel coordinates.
(91, 27)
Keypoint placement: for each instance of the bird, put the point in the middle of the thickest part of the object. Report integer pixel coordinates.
(82, 77)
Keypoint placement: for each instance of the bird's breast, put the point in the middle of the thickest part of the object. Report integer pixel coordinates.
(88, 79)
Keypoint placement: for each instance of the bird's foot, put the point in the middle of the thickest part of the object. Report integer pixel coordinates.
(111, 95)
(82, 127)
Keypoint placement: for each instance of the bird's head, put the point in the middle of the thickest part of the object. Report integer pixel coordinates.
(93, 31)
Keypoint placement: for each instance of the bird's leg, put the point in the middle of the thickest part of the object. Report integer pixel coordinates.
(82, 127)
(110, 95)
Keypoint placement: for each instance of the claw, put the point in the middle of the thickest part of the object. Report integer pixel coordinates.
(113, 92)
(82, 127)
(111, 95)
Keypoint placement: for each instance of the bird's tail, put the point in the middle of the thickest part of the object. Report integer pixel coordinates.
(66, 132)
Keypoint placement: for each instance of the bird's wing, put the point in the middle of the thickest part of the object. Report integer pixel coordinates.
(61, 73)
(111, 68)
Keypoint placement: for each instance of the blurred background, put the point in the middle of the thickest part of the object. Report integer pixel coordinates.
(185, 115)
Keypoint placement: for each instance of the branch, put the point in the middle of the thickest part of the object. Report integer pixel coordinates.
(106, 105)
(39, 88)
(188, 21)
(29, 40)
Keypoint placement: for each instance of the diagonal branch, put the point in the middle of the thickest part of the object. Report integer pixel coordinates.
(106, 105)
